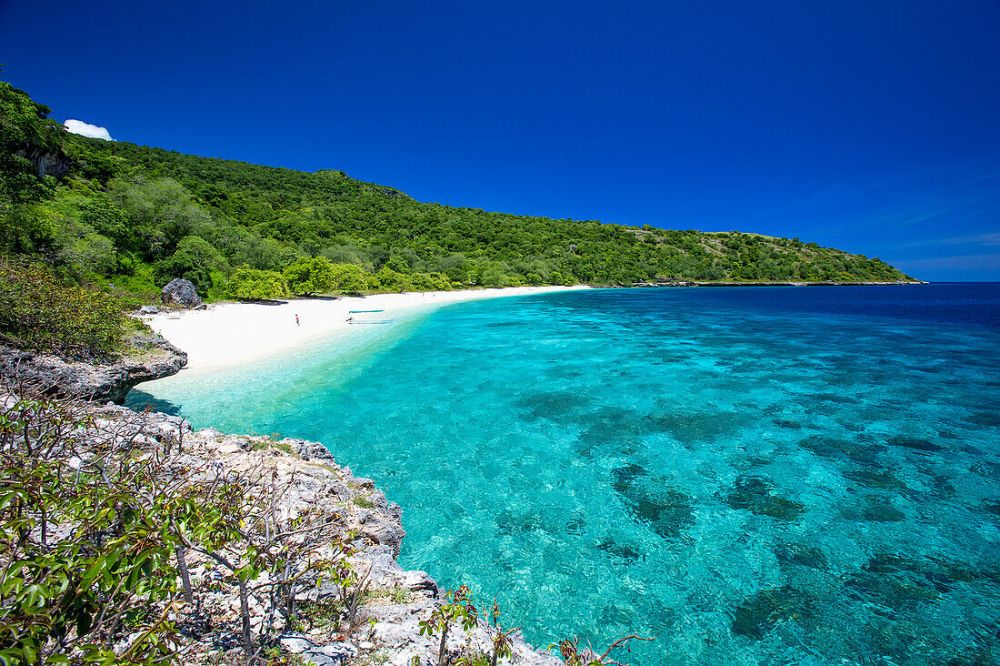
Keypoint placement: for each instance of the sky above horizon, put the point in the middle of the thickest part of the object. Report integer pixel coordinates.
(873, 127)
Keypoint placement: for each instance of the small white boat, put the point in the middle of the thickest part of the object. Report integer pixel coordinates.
(367, 317)
(353, 321)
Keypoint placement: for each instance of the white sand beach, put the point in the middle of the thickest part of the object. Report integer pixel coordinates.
(230, 334)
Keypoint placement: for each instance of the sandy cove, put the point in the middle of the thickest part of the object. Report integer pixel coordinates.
(230, 334)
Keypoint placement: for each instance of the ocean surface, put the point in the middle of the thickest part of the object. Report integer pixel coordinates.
(751, 475)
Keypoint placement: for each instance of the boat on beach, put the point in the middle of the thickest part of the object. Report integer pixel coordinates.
(367, 317)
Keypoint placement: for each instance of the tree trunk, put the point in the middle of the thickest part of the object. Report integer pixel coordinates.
(185, 576)
(443, 649)
(245, 617)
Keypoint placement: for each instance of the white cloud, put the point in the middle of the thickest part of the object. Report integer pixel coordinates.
(86, 129)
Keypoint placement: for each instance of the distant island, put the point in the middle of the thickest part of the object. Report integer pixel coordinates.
(105, 212)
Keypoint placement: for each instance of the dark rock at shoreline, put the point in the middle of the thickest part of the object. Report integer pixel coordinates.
(181, 292)
(151, 357)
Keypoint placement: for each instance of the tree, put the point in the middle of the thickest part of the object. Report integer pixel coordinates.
(109, 220)
(349, 277)
(86, 253)
(195, 260)
(311, 275)
(27, 139)
(26, 229)
(160, 212)
(251, 284)
(429, 282)
(390, 280)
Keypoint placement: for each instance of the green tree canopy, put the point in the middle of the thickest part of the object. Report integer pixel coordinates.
(196, 260)
(159, 212)
(26, 136)
(146, 201)
(252, 284)
(348, 277)
(40, 312)
(311, 275)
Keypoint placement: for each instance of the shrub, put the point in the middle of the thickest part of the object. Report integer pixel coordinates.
(430, 282)
(40, 313)
(103, 515)
(83, 559)
(391, 280)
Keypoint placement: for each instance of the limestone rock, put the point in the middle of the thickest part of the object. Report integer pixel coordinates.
(388, 631)
(151, 357)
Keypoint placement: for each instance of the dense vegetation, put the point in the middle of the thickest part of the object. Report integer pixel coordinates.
(42, 313)
(138, 216)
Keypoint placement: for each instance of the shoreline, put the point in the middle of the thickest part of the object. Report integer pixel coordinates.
(232, 334)
(772, 283)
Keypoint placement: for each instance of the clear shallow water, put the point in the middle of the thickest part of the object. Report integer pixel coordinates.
(752, 475)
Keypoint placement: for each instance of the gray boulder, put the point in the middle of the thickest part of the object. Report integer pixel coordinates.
(181, 292)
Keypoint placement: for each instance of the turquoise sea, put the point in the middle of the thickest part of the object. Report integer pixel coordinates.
(751, 475)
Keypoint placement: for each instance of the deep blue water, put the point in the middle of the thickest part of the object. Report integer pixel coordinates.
(752, 475)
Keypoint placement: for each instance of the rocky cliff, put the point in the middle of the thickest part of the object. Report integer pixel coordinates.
(150, 357)
(352, 510)
(396, 600)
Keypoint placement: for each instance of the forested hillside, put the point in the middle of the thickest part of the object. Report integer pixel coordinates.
(136, 217)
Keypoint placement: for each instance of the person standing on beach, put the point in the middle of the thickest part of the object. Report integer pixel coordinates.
(297, 320)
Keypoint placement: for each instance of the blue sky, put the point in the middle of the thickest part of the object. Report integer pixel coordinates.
(869, 126)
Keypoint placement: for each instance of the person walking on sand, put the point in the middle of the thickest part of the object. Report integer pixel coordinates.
(297, 320)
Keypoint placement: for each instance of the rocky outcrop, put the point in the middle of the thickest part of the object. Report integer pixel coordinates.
(150, 357)
(396, 600)
(56, 165)
(48, 162)
(181, 292)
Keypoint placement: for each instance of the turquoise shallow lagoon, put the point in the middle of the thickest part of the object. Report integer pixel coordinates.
(751, 475)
